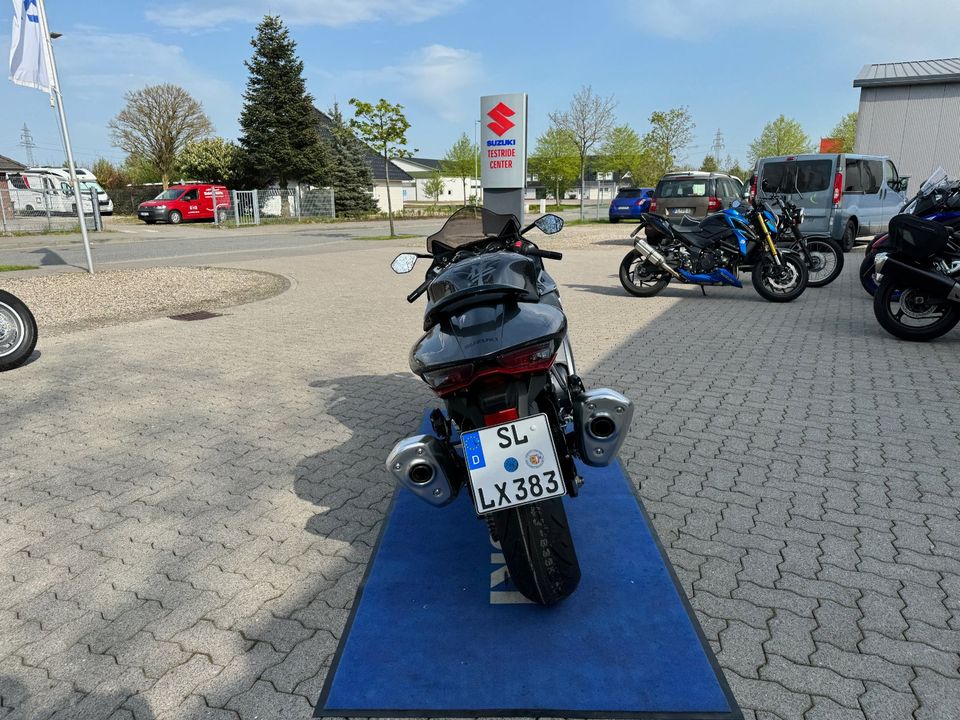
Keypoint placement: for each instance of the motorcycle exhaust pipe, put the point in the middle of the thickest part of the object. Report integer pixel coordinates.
(935, 284)
(650, 255)
(422, 465)
(601, 420)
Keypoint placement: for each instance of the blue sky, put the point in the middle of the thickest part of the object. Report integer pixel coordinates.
(735, 65)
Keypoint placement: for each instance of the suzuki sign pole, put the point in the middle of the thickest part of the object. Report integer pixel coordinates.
(503, 152)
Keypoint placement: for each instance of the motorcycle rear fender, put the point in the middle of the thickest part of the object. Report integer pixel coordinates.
(933, 283)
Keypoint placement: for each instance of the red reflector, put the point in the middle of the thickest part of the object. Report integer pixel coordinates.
(518, 244)
(498, 418)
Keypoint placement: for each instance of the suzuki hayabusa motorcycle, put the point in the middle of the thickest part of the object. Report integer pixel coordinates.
(918, 276)
(18, 332)
(713, 252)
(938, 199)
(515, 414)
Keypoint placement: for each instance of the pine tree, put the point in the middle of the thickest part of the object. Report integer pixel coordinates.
(350, 174)
(280, 138)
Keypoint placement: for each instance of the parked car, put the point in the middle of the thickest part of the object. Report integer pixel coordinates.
(694, 193)
(630, 203)
(192, 201)
(842, 195)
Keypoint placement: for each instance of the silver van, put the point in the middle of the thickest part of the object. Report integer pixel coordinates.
(843, 196)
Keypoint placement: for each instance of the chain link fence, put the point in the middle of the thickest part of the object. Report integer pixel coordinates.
(28, 210)
(256, 207)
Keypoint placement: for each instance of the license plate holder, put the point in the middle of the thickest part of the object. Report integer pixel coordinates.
(512, 464)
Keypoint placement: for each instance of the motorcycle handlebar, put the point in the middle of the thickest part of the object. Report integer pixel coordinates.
(545, 254)
(419, 291)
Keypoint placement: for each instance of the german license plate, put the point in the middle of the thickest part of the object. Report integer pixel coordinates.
(682, 211)
(512, 464)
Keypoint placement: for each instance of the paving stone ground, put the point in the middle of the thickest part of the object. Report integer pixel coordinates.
(186, 509)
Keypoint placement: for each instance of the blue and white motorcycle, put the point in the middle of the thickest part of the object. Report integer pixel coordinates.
(714, 252)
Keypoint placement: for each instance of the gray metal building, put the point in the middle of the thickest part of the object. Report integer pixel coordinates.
(911, 112)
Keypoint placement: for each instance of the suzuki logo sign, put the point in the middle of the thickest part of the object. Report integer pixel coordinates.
(503, 142)
(501, 119)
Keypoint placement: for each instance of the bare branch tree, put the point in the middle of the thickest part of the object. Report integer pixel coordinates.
(589, 119)
(157, 123)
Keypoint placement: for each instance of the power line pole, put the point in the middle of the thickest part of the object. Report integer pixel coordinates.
(717, 146)
(27, 143)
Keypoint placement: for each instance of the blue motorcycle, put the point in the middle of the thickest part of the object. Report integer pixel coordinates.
(715, 251)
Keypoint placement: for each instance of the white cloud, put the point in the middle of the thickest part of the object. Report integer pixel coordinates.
(443, 79)
(888, 29)
(332, 13)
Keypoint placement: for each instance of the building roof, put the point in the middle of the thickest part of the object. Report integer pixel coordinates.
(10, 166)
(918, 72)
(426, 162)
(373, 158)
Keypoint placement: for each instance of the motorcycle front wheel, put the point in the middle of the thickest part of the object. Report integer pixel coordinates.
(780, 283)
(639, 277)
(18, 332)
(538, 549)
(826, 261)
(906, 312)
(866, 273)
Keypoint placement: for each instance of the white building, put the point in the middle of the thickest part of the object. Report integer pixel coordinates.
(422, 170)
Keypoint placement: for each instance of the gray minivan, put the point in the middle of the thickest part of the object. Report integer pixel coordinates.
(843, 196)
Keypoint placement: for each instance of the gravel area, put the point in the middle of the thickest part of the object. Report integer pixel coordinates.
(69, 301)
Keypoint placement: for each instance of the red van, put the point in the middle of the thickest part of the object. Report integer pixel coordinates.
(188, 201)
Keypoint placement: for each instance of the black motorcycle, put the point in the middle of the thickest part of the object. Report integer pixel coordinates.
(918, 293)
(18, 332)
(822, 255)
(515, 412)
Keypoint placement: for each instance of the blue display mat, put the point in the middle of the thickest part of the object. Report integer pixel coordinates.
(437, 631)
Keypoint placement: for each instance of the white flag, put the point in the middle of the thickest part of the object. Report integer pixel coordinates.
(28, 51)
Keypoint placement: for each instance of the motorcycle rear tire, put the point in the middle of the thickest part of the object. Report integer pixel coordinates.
(881, 309)
(779, 297)
(538, 549)
(15, 311)
(866, 273)
(827, 247)
(639, 290)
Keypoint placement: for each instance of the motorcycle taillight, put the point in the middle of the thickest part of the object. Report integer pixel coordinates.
(529, 359)
(448, 379)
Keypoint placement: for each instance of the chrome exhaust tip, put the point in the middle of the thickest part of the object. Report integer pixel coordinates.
(601, 421)
(421, 465)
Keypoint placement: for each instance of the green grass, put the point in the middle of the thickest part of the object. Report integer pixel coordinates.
(400, 236)
(14, 268)
(588, 221)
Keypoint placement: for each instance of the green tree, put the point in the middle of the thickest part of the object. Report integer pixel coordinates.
(588, 121)
(460, 161)
(157, 122)
(670, 133)
(556, 161)
(434, 186)
(384, 128)
(710, 164)
(210, 160)
(783, 136)
(621, 152)
(110, 176)
(140, 171)
(350, 175)
(846, 131)
(732, 167)
(280, 138)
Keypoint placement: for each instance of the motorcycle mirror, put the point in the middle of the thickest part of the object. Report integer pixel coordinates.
(403, 263)
(735, 204)
(549, 224)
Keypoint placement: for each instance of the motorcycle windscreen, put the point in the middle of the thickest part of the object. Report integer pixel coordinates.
(469, 225)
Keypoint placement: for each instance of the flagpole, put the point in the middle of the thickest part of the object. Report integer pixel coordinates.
(64, 132)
